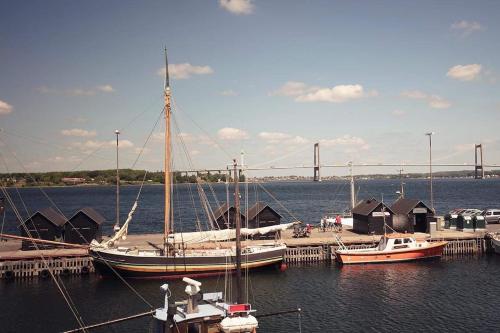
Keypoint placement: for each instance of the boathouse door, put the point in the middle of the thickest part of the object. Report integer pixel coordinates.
(420, 221)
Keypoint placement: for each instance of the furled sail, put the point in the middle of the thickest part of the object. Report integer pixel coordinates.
(120, 234)
(224, 234)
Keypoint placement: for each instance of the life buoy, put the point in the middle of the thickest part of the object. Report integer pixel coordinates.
(8, 275)
(44, 274)
(85, 270)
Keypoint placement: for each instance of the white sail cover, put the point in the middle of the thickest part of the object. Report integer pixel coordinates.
(224, 234)
(120, 234)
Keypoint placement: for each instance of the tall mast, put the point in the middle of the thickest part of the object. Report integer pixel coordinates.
(239, 294)
(168, 146)
(117, 223)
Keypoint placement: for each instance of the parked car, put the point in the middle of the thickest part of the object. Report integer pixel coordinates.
(492, 216)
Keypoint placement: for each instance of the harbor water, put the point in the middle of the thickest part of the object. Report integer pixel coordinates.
(451, 294)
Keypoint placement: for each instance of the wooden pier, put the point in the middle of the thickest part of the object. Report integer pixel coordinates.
(319, 247)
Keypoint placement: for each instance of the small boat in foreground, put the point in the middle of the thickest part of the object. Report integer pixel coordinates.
(392, 248)
(495, 241)
(206, 312)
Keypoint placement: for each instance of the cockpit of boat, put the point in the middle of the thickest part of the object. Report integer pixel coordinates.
(397, 242)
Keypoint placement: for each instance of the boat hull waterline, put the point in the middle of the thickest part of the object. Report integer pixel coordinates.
(141, 266)
(347, 257)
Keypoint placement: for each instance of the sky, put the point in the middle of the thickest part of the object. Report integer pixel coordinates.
(365, 79)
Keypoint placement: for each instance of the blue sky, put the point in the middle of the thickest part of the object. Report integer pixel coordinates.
(366, 79)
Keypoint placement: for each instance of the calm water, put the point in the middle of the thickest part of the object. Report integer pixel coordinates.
(453, 294)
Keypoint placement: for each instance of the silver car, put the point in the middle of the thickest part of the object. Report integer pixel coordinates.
(492, 216)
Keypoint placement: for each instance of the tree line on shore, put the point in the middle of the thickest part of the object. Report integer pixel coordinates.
(129, 176)
(102, 177)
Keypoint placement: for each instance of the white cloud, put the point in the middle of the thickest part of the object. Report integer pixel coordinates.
(229, 92)
(238, 7)
(92, 144)
(186, 137)
(291, 88)
(337, 94)
(107, 88)
(282, 138)
(274, 136)
(434, 101)
(415, 94)
(466, 27)
(5, 108)
(398, 113)
(437, 102)
(78, 132)
(229, 133)
(298, 140)
(464, 72)
(185, 70)
(345, 140)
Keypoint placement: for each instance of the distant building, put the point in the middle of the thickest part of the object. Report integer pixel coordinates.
(45, 224)
(73, 181)
(83, 227)
(412, 215)
(368, 217)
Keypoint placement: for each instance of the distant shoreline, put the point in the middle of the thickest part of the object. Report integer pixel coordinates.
(254, 180)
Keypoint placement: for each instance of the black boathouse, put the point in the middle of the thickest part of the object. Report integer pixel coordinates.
(83, 227)
(225, 217)
(368, 217)
(412, 215)
(46, 224)
(262, 215)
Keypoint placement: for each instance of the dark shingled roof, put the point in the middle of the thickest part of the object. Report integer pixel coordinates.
(51, 215)
(257, 208)
(405, 206)
(221, 210)
(366, 207)
(92, 214)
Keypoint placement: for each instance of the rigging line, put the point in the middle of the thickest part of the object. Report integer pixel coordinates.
(278, 202)
(57, 208)
(279, 158)
(17, 188)
(147, 139)
(64, 292)
(179, 137)
(200, 128)
(47, 143)
(203, 197)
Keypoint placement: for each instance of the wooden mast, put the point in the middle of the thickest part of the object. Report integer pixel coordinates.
(237, 218)
(168, 146)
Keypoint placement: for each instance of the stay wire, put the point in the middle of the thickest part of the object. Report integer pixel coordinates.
(58, 282)
(67, 220)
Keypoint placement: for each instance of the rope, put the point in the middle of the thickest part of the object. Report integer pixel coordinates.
(64, 292)
(60, 212)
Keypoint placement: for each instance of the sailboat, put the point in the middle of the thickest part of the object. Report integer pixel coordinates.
(173, 261)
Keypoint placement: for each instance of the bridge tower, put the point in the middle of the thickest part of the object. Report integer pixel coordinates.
(317, 175)
(478, 163)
